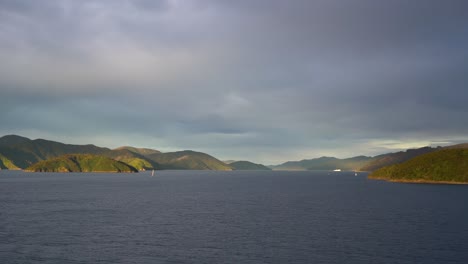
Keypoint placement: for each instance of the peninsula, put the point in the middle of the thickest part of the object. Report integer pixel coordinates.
(446, 166)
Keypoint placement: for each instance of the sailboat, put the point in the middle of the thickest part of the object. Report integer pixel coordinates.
(152, 173)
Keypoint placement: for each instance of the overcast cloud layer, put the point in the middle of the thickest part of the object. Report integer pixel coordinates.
(262, 80)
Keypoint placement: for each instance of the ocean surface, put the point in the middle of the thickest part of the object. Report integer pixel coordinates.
(229, 217)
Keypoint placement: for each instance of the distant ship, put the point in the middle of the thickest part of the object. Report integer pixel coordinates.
(337, 170)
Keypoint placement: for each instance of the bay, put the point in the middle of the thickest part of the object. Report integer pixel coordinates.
(228, 217)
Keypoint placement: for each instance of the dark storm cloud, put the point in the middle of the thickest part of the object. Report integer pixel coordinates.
(239, 79)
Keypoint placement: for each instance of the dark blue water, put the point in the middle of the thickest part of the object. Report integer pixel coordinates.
(228, 217)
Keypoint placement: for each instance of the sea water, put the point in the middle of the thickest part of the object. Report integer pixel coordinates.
(229, 217)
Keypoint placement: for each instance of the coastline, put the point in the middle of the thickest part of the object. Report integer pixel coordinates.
(419, 181)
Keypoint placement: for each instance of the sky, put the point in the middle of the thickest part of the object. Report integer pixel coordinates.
(261, 80)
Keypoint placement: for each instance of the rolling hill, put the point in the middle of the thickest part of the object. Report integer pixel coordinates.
(23, 152)
(388, 159)
(141, 151)
(325, 163)
(81, 163)
(188, 160)
(18, 152)
(247, 165)
(11, 140)
(361, 163)
(140, 162)
(441, 166)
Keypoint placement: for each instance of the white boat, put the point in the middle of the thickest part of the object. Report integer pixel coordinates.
(152, 173)
(337, 170)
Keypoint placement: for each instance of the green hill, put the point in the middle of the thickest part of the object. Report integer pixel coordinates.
(187, 160)
(81, 163)
(133, 159)
(9, 140)
(23, 152)
(18, 152)
(442, 166)
(141, 151)
(247, 165)
(325, 163)
(388, 159)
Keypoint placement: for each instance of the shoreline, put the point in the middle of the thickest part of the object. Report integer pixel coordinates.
(420, 181)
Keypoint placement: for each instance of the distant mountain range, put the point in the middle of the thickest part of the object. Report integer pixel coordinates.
(360, 163)
(325, 163)
(18, 152)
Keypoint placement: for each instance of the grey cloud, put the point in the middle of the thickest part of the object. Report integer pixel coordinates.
(237, 77)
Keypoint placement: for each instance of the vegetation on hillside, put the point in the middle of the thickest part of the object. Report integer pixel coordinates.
(188, 160)
(24, 152)
(5, 163)
(247, 165)
(446, 165)
(21, 152)
(18, 152)
(388, 159)
(325, 163)
(141, 151)
(81, 163)
(133, 159)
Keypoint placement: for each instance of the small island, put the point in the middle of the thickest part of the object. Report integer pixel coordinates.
(81, 163)
(447, 166)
